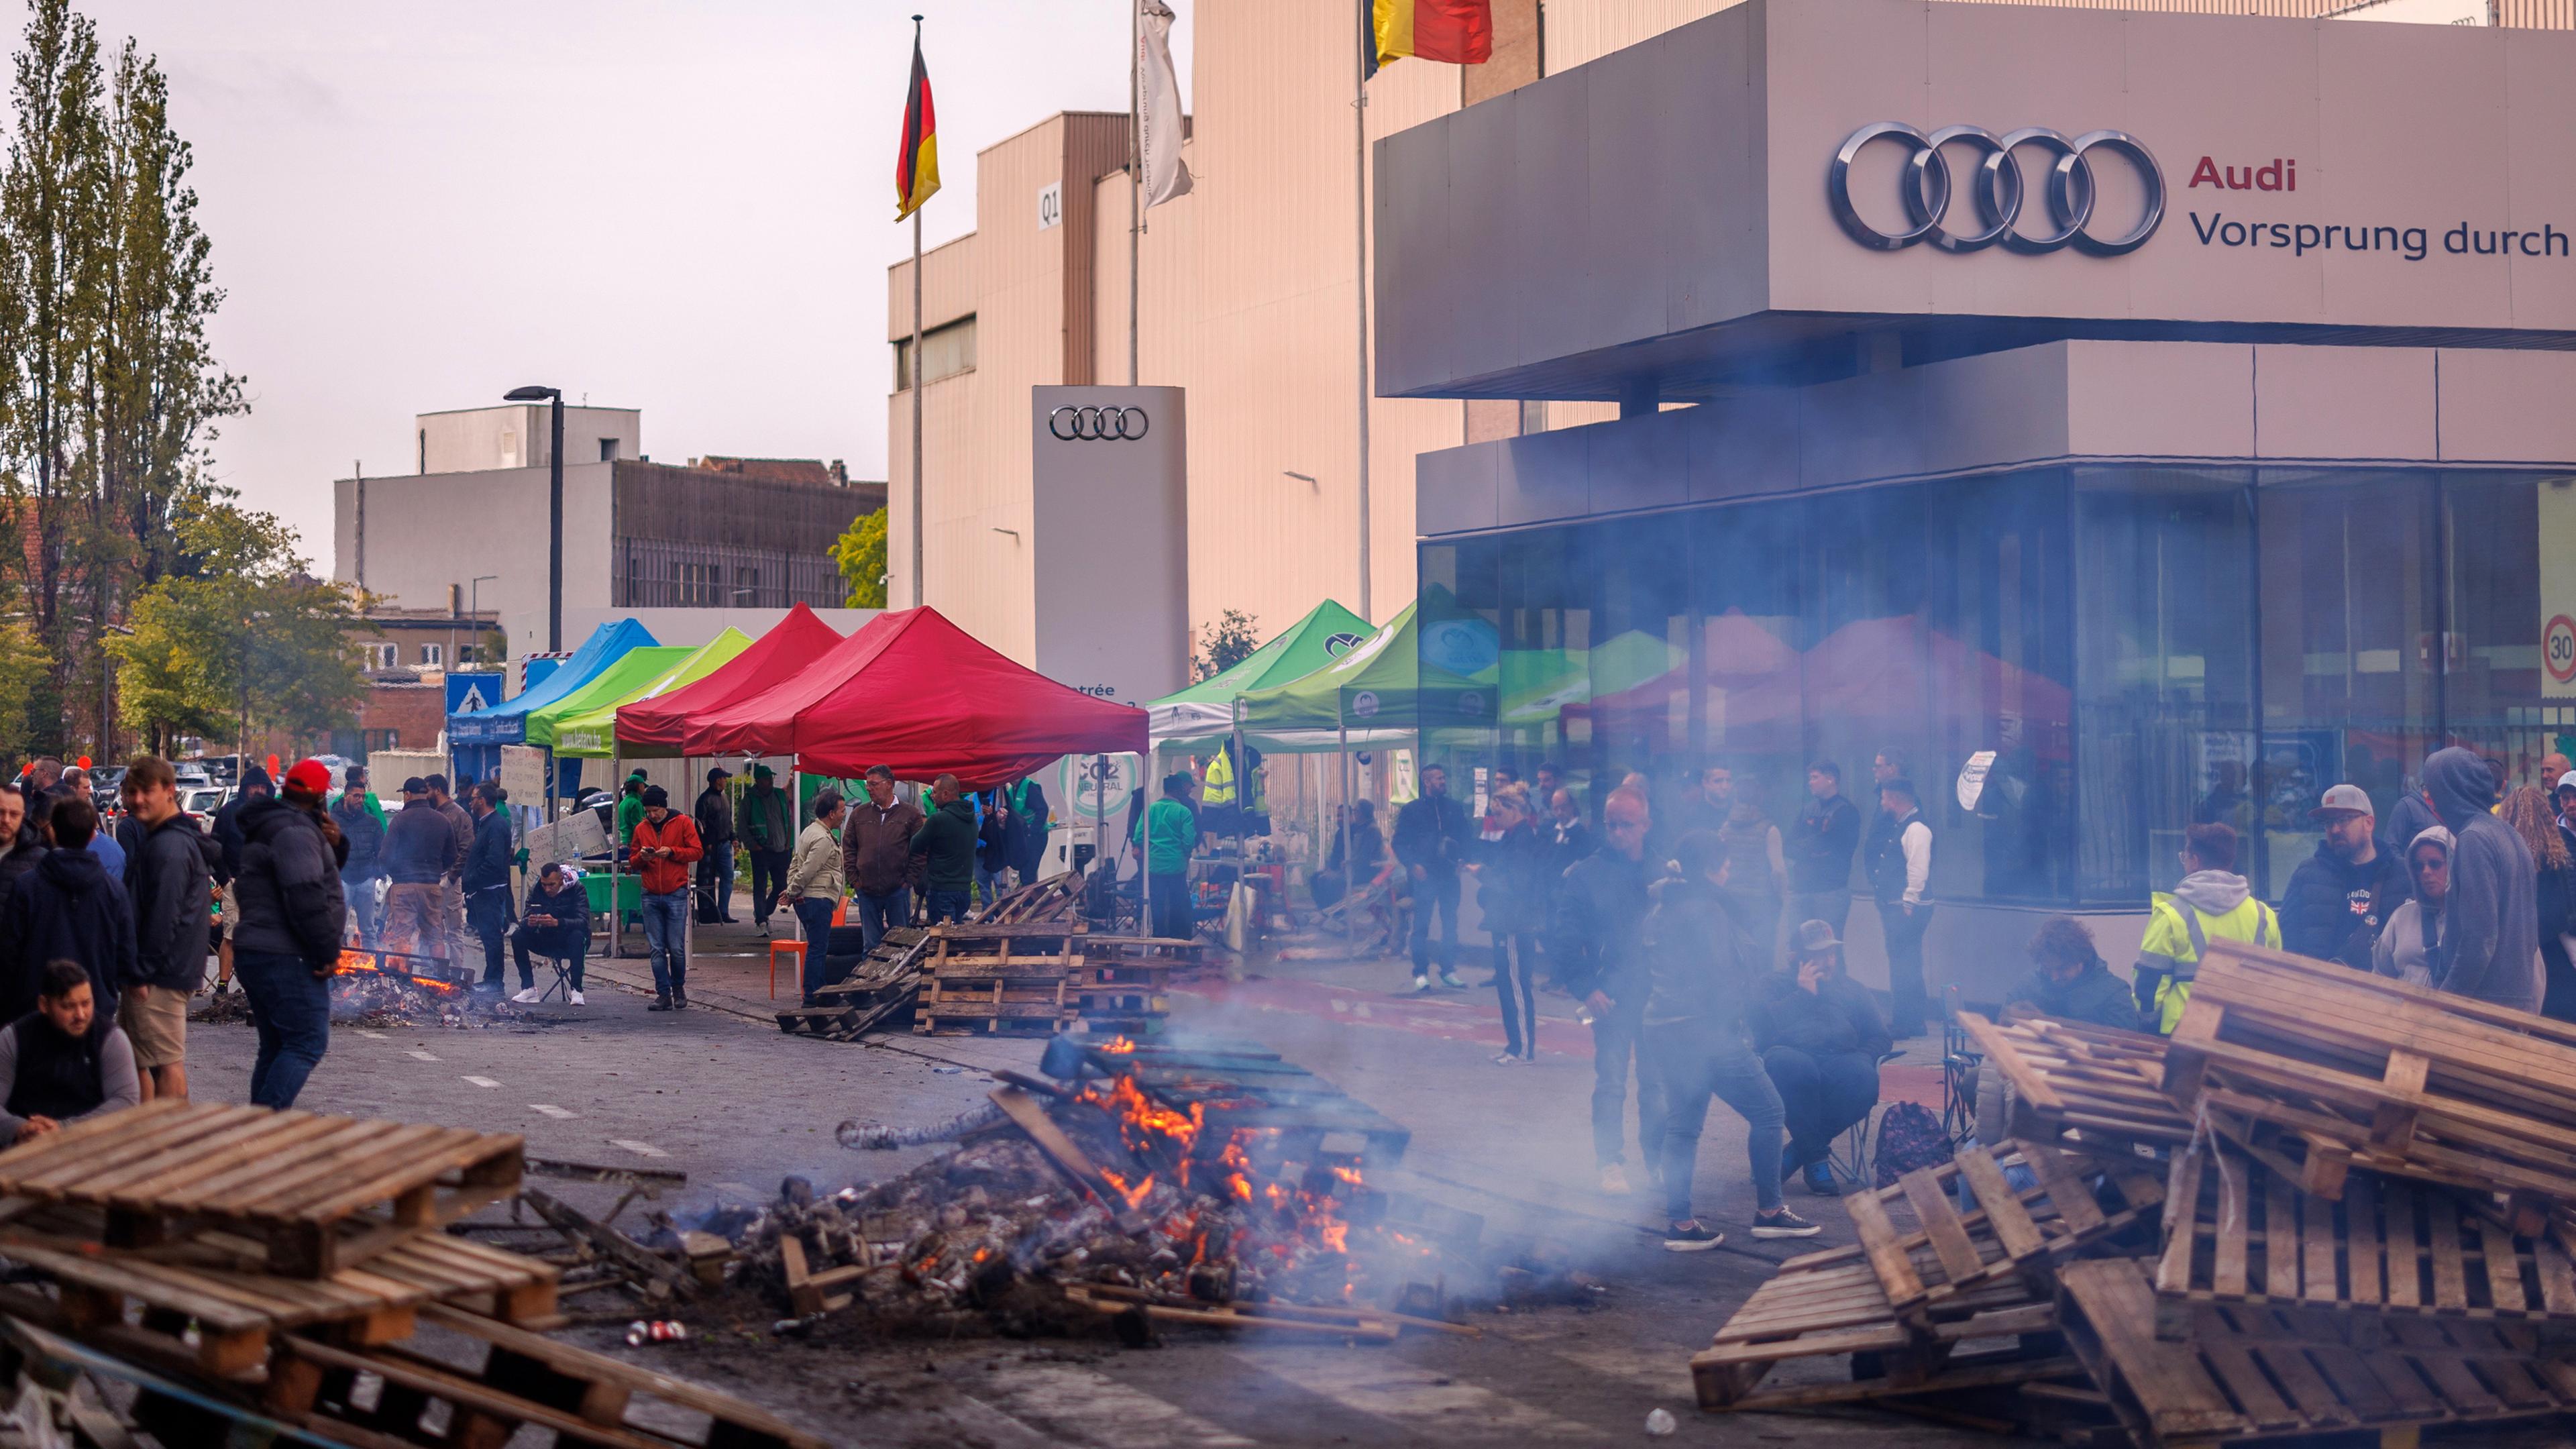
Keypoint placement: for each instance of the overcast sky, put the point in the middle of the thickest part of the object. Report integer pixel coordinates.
(680, 207)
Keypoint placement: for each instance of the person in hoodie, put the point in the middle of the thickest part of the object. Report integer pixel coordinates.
(255, 786)
(946, 844)
(2340, 897)
(168, 880)
(1821, 1037)
(485, 877)
(20, 844)
(2414, 932)
(1594, 951)
(2490, 949)
(1701, 966)
(362, 824)
(2210, 904)
(288, 938)
(66, 909)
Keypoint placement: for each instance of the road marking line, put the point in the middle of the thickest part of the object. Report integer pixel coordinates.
(549, 1108)
(642, 1149)
(483, 1081)
(371, 1035)
(422, 1056)
(1086, 1406)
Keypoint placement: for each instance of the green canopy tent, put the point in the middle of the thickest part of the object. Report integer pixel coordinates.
(590, 731)
(1204, 713)
(632, 671)
(1432, 665)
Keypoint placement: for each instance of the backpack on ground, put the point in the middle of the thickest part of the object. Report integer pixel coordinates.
(1909, 1137)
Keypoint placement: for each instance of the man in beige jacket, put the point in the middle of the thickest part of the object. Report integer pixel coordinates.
(814, 884)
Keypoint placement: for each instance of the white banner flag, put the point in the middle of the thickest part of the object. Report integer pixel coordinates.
(1158, 107)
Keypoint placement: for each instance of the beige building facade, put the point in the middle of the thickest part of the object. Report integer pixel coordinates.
(1250, 299)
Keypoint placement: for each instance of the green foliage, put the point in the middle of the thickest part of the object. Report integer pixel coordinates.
(245, 633)
(24, 666)
(108, 386)
(1224, 644)
(861, 553)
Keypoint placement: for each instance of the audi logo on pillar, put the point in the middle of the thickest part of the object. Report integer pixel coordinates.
(1072, 424)
(1996, 192)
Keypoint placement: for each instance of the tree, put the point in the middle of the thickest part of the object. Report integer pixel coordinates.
(243, 639)
(861, 553)
(108, 387)
(1224, 644)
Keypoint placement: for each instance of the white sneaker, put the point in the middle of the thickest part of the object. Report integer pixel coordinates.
(529, 997)
(577, 1001)
(1614, 1180)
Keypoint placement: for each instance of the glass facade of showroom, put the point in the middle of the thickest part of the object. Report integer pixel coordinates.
(2138, 647)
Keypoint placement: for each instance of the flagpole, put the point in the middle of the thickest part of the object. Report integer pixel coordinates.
(1135, 166)
(919, 376)
(1359, 283)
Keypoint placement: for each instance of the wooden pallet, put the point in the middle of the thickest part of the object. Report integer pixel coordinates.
(2365, 1071)
(1052, 899)
(2246, 1235)
(237, 1314)
(999, 980)
(880, 988)
(321, 1192)
(2072, 1078)
(583, 1398)
(1911, 1298)
(1239, 1089)
(2247, 1373)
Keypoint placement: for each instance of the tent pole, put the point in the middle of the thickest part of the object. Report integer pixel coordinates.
(1350, 867)
(1144, 845)
(688, 894)
(616, 916)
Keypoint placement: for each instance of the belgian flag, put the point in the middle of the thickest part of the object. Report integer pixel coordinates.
(916, 166)
(1460, 32)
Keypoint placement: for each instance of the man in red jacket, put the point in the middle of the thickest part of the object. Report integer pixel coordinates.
(663, 850)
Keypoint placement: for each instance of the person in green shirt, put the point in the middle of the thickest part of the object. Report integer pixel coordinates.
(946, 841)
(630, 805)
(1171, 833)
(761, 822)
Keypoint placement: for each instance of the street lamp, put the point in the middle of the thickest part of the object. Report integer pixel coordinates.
(554, 511)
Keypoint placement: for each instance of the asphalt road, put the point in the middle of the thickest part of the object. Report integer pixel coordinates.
(737, 1105)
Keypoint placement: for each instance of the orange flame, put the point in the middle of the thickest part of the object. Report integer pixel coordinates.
(1135, 1196)
(1118, 1046)
(365, 963)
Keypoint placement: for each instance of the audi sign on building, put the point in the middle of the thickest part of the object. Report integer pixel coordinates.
(2118, 422)
(1107, 540)
(1734, 184)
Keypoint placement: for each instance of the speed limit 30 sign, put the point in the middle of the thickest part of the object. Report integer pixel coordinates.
(2558, 649)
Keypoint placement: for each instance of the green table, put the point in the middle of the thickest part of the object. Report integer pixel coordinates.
(630, 891)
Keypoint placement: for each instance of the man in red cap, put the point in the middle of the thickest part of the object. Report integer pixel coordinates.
(288, 938)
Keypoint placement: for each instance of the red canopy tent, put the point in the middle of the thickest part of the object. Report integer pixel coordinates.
(660, 725)
(914, 692)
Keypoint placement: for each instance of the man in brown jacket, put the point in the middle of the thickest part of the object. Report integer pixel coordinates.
(876, 856)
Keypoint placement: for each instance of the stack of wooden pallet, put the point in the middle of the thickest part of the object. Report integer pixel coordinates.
(2368, 1223)
(258, 1264)
(876, 992)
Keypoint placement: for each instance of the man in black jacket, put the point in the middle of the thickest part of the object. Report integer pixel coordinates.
(946, 844)
(67, 909)
(420, 849)
(167, 879)
(1431, 835)
(2490, 948)
(255, 786)
(714, 811)
(485, 877)
(288, 938)
(2340, 897)
(1593, 944)
(1701, 966)
(20, 845)
(1820, 1036)
(1819, 847)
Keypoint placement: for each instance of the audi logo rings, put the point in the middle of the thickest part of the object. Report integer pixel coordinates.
(1072, 424)
(1997, 190)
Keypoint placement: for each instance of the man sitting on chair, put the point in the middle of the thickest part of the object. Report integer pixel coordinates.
(63, 1061)
(556, 922)
(1820, 1036)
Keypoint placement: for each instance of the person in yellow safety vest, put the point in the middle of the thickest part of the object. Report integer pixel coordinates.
(2211, 903)
(1218, 786)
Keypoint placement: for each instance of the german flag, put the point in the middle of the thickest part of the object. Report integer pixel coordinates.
(1459, 32)
(916, 166)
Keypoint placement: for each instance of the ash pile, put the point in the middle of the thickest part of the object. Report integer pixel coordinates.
(1138, 1187)
(379, 989)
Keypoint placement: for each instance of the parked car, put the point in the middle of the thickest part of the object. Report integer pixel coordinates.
(203, 801)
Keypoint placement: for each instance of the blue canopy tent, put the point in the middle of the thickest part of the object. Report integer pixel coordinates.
(474, 740)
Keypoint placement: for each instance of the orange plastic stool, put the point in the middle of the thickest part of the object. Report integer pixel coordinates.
(792, 948)
(841, 911)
